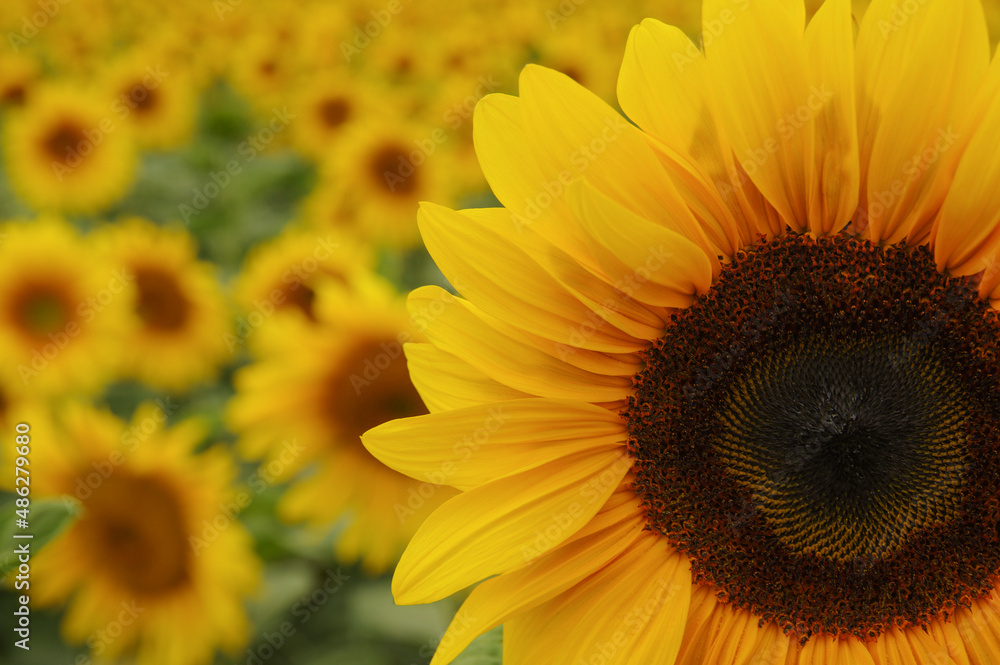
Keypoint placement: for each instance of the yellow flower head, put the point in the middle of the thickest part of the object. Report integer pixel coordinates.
(63, 309)
(315, 389)
(280, 276)
(374, 182)
(19, 74)
(730, 368)
(67, 151)
(154, 95)
(178, 313)
(142, 542)
(326, 107)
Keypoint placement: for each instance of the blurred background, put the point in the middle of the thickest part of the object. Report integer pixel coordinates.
(207, 231)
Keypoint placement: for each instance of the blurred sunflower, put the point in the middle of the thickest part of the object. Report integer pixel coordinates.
(139, 557)
(754, 344)
(65, 151)
(18, 75)
(180, 316)
(319, 388)
(280, 275)
(263, 68)
(325, 109)
(374, 182)
(62, 310)
(154, 96)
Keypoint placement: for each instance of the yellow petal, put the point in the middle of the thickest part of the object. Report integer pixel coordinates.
(919, 648)
(663, 88)
(979, 628)
(757, 63)
(445, 382)
(468, 447)
(508, 163)
(631, 611)
(933, 57)
(835, 171)
(968, 229)
(587, 286)
(946, 634)
(610, 364)
(459, 328)
(826, 650)
(573, 133)
(503, 524)
(489, 268)
(500, 598)
(700, 626)
(648, 261)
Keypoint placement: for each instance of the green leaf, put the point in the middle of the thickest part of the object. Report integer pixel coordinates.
(487, 649)
(47, 518)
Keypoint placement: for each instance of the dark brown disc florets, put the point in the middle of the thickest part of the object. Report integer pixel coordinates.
(819, 434)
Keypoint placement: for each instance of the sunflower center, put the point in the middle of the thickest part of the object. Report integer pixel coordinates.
(334, 112)
(371, 387)
(392, 171)
(818, 432)
(142, 98)
(62, 143)
(847, 449)
(161, 303)
(135, 529)
(40, 310)
(303, 298)
(14, 95)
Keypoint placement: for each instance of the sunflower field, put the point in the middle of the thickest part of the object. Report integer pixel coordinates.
(213, 284)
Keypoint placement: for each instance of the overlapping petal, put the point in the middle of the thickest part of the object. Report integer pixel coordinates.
(468, 447)
(495, 527)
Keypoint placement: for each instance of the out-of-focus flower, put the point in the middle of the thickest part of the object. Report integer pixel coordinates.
(179, 313)
(326, 107)
(142, 574)
(18, 75)
(66, 150)
(62, 310)
(378, 176)
(263, 68)
(279, 276)
(154, 96)
(319, 387)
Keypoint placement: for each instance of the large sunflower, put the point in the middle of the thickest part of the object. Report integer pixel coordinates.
(156, 567)
(745, 350)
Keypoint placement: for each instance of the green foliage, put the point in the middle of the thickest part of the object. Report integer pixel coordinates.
(46, 519)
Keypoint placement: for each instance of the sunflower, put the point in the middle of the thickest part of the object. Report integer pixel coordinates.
(154, 96)
(66, 151)
(280, 275)
(745, 351)
(374, 182)
(154, 567)
(325, 109)
(19, 74)
(263, 69)
(304, 404)
(61, 308)
(179, 314)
